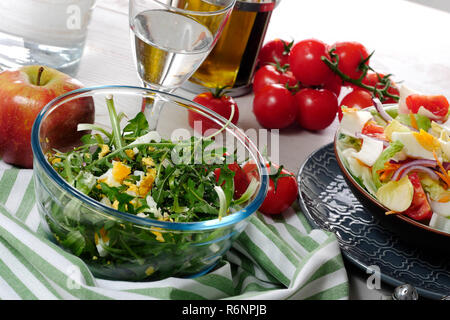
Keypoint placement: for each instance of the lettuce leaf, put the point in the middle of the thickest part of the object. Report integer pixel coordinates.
(422, 121)
(387, 153)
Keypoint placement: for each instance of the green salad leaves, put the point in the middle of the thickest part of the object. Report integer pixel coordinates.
(135, 171)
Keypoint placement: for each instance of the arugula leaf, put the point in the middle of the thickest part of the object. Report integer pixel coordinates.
(75, 242)
(85, 181)
(180, 192)
(136, 127)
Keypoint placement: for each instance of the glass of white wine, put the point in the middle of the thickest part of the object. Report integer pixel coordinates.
(171, 38)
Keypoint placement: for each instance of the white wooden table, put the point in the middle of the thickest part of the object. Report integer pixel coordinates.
(409, 40)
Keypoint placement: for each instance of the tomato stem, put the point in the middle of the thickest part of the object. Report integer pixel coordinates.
(287, 47)
(219, 92)
(281, 68)
(277, 175)
(383, 82)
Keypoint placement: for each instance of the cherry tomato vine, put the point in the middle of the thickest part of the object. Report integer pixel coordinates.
(380, 89)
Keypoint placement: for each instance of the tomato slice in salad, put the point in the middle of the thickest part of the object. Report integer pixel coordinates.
(420, 209)
(438, 105)
(374, 130)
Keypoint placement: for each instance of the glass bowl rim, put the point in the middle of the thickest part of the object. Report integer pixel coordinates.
(228, 220)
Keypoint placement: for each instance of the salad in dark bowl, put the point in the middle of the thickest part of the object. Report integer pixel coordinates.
(396, 159)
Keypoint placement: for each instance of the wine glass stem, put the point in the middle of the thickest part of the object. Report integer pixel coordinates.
(152, 107)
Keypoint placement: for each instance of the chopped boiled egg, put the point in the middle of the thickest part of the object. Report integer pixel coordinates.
(149, 271)
(146, 182)
(147, 161)
(115, 175)
(426, 140)
(359, 170)
(115, 204)
(158, 235)
(101, 239)
(153, 207)
(443, 135)
(130, 153)
(441, 208)
(142, 215)
(353, 121)
(404, 92)
(120, 171)
(108, 178)
(370, 151)
(417, 144)
(139, 174)
(394, 126)
(104, 150)
(445, 147)
(440, 222)
(132, 190)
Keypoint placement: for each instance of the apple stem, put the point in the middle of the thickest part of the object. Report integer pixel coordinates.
(38, 81)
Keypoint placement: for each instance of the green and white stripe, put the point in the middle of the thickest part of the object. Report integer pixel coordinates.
(275, 258)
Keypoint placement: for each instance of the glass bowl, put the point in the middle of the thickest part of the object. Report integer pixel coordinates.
(133, 248)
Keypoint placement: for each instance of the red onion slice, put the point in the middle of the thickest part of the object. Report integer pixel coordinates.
(446, 165)
(420, 162)
(426, 170)
(380, 109)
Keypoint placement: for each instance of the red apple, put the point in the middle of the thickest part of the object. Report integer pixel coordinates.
(23, 93)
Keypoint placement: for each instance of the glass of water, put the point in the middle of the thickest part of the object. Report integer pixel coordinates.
(46, 32)
(171, 38)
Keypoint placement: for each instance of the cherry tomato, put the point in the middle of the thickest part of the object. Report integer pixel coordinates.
(437, 105)
(306, 64)
(283, 188)
(269, 74)
(240, 179)
(420, 209)
(334, 84)
(218, 102)
(372, 129)
(357, 98)
(316, 108)
(372, 79)
(351, 55)
(274, 107)
(274, 51)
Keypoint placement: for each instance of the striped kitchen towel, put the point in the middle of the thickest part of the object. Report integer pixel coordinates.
(275, 258)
